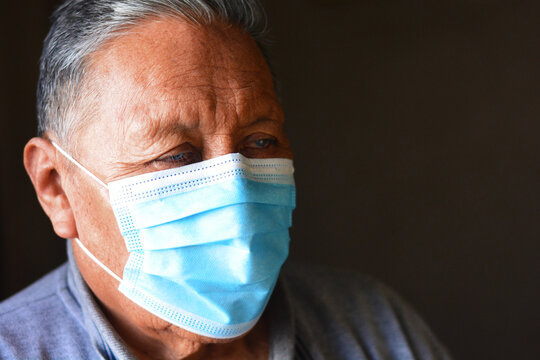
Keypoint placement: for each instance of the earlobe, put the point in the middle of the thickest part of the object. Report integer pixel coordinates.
(42, 166)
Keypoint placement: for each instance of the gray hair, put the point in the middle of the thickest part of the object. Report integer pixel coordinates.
(79, 27)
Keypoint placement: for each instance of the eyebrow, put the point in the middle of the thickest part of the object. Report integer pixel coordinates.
(176, 125)
(173, 124)
(260, 120)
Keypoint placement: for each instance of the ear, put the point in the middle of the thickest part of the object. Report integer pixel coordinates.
(42, 166)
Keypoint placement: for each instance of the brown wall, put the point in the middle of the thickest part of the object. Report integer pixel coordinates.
(415, 128)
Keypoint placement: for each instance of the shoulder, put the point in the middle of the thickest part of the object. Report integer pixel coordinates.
(345, 314)
(39, 292)
(320, 289)
(325, 281)
(39, 321)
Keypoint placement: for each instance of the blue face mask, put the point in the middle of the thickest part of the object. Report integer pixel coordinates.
(206, 240)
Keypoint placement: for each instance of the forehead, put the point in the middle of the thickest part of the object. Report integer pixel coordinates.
(150, 50)
(177, 73)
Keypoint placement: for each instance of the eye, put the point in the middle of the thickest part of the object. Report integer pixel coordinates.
(259, 145)
(260, 141)
(184, 155)
(264, 143)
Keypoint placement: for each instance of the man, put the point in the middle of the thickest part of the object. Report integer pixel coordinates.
(162, 158)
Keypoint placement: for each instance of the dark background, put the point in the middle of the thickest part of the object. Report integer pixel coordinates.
(415, 127)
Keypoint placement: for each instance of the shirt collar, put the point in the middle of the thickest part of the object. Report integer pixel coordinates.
(103, 336)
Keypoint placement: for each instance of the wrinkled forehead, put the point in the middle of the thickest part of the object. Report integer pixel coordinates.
(164, 53)
(169, 65)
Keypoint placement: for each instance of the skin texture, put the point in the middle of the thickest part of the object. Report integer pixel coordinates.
(165, 94)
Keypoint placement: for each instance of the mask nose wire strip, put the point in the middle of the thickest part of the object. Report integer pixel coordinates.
(91, 256)
(79, 165)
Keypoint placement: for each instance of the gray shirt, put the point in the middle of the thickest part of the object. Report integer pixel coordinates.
(313, 314)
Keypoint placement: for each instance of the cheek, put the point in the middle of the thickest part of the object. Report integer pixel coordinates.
(97, 228)
(285, 150)
(98, 231)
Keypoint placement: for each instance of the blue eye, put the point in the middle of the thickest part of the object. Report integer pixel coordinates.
(183, 158)
(264, 143)
(178, 157)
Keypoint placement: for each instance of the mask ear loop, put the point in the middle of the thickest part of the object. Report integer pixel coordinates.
(87, 252)
(79, 165)
(91, 256)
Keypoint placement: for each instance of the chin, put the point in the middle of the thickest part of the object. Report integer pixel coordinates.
(178, 331)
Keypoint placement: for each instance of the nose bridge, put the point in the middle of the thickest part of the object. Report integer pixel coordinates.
(222, 113)
(218, 145)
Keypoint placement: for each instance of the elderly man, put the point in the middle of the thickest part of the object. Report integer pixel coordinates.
(161, 156)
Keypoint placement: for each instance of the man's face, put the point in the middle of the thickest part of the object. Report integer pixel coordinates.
(166, 94)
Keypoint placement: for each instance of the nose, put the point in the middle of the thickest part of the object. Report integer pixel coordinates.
(218, 145)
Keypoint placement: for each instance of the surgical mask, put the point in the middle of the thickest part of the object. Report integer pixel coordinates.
(206, 241)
